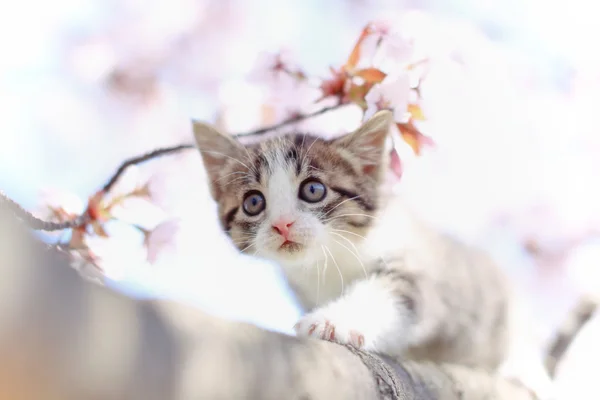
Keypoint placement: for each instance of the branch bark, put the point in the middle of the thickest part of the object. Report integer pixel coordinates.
(64, 338)
(567, 332)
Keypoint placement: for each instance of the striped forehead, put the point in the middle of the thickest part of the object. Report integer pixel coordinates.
(276, 156)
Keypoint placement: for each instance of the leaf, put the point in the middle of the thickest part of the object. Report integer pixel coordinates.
(94, 208)
(413, 137)
(299, 75)
(416, 112)
(99, 229)
(354, 56)
(356, 94)
(333, 87)
(371, 75)
(142, 191)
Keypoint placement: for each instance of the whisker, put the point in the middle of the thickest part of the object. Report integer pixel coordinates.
(247, 247)
(338, 268)
(318, 284)
(225, 155)
(342, 202)
(325, 264)
(356, 255)
(351, 233)
(232, 173)
(307, 151)
(239, 178)
(350, 215)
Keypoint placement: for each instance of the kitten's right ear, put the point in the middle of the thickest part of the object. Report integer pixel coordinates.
(216, 148)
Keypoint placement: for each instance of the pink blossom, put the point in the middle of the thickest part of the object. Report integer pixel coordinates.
(161, 239)
(392, 93)
(275, 70)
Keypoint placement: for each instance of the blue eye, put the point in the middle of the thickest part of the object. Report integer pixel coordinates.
(312, 191)
(254, 203)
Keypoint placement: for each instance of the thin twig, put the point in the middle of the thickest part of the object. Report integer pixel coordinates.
(140, 159)
(39, 224)
(292, 120)
(577, 318)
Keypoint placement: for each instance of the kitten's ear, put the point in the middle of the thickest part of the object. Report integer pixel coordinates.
(216, 148)
(368, 141)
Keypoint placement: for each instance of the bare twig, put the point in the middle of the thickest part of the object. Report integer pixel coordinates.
(292, 120)
(39, 224)
(142, 158)
(567, 332)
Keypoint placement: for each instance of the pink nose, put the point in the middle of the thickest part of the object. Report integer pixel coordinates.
(283, 227)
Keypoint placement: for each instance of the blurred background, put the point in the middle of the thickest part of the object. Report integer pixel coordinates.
(510, 101)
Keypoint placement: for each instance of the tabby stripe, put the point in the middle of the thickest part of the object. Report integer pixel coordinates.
(351, 195)
(359, 224)
(326, 208)
(247, 225)
(260, 163)
(229, 218)
(405, 285)
(292, 155)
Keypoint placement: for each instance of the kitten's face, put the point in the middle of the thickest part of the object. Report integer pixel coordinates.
(286, 198)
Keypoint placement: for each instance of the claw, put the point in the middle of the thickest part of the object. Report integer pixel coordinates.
(356, 339)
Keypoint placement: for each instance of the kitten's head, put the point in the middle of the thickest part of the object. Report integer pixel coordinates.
(284, 198)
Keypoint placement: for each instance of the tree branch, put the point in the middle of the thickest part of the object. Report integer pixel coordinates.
(64, 338)
(575, 321)
(38, 224)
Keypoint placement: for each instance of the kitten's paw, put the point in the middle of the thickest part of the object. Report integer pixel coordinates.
(320, 325)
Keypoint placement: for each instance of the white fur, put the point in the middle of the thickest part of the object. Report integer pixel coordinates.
(366, 316)
(282, 202)
(330, 271)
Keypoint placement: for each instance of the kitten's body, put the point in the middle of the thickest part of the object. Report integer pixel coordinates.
(368, 273)
(458, 294)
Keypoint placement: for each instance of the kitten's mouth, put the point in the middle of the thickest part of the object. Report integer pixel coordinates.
(290, 246)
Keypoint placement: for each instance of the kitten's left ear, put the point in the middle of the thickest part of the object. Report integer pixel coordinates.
(368, 141)
(217, 148)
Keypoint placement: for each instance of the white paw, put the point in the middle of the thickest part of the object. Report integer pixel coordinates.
(367, 317)
(325, 325)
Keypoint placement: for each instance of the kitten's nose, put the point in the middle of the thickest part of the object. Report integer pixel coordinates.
(283, 227)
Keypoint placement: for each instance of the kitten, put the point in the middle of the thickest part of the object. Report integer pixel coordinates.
(367, 272)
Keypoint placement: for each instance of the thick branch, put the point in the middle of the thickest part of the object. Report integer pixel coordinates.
(64, 338)
(575, 321)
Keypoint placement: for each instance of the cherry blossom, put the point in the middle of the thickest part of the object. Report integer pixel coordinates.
(276, 70)
(392, 93)
(161, 239)
(390, 47)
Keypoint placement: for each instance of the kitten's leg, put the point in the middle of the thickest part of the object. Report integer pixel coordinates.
(374, 314)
